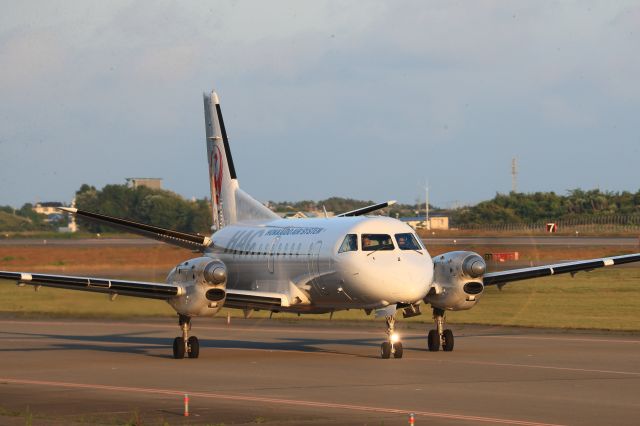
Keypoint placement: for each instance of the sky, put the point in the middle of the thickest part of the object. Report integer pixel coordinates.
(367, 100)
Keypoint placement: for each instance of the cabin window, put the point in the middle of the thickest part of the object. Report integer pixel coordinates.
(350, 243)
(407, 241)
(375, 242)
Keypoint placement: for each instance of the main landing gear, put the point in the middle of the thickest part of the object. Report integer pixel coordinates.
(186, 344)
(393, 345)
(439, 336)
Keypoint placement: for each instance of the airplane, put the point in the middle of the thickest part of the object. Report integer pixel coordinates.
(255, 260)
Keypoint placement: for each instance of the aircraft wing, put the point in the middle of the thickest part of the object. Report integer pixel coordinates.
(503, 277)
(177, 238)
(98, 285)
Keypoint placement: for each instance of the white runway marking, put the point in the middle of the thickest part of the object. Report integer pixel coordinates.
(561, 339)
(248, 398)
(547, 367)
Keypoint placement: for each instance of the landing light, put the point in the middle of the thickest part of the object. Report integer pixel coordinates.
(395, 337)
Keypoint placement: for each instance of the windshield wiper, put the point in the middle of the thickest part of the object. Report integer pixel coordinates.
(382, 246)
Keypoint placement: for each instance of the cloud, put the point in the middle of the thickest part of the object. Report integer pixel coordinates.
(439, 89)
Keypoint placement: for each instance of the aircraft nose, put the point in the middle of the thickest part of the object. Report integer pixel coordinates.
(423, 278)
(403, 280)
(413, 280)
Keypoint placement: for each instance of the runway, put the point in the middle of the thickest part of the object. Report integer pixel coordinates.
(536, 241)
(313, 373)
(631, 241)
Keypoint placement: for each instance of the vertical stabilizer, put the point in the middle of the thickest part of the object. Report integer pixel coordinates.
(230, 204)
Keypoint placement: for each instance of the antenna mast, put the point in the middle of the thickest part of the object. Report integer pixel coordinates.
(426, 206)
(514, 175)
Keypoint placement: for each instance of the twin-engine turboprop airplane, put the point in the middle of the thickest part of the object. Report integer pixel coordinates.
(256, 260)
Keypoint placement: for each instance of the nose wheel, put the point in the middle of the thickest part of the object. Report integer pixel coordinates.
(185, 345)
(440, 336)
(393, 345)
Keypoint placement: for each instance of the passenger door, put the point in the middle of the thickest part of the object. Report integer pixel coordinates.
(271, 253)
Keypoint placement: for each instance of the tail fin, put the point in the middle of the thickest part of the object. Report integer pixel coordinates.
(230, 204)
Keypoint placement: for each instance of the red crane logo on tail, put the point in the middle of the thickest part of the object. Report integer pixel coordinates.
(216, 162)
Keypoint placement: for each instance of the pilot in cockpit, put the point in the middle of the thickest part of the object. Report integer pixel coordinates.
(366, 242)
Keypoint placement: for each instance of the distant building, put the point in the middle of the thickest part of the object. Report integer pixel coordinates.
(439, 222)
(153, 183)
(72, 226)
(48, 208)
(435, 222)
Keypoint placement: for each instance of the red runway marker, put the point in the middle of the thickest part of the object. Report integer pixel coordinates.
(248, 398)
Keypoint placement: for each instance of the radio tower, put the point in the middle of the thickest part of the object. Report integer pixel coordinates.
(514, 175)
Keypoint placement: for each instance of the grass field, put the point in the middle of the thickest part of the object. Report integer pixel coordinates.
(604, 299)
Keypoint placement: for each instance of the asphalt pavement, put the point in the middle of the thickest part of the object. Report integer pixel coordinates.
(312, 373)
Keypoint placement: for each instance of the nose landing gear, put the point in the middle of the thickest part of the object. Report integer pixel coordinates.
(186, 344)
(393, 346)
(439, 336)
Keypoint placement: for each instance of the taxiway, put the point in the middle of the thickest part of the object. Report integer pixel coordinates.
(312, 373)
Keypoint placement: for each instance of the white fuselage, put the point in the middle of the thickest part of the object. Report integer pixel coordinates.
(300, 258)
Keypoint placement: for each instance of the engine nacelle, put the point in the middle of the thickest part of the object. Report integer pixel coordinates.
(204, 283)
(457, 280)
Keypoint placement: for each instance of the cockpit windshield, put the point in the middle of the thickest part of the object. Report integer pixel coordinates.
(374, 242)
(407, 241)
(350, 243)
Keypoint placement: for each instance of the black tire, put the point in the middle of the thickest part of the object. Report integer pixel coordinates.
(397, 350)
(385, 350)
(178, 348)
(447, 336)
(194, 347)
(433, 341)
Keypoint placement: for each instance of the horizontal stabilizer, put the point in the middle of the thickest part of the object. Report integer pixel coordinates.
(97, 285)
(368, 209)
(181, 239)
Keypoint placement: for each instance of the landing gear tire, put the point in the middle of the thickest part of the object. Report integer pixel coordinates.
(385, 350)
(178, 348)
(185, 345)
(447, 340)
(397, 350)
(392, 346)
(439, 336)
(433, 341)
(193, 346)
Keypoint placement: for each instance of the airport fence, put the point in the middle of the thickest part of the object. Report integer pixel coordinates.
(596, 224)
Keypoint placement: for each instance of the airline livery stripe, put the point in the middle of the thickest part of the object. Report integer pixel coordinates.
(225, 141)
